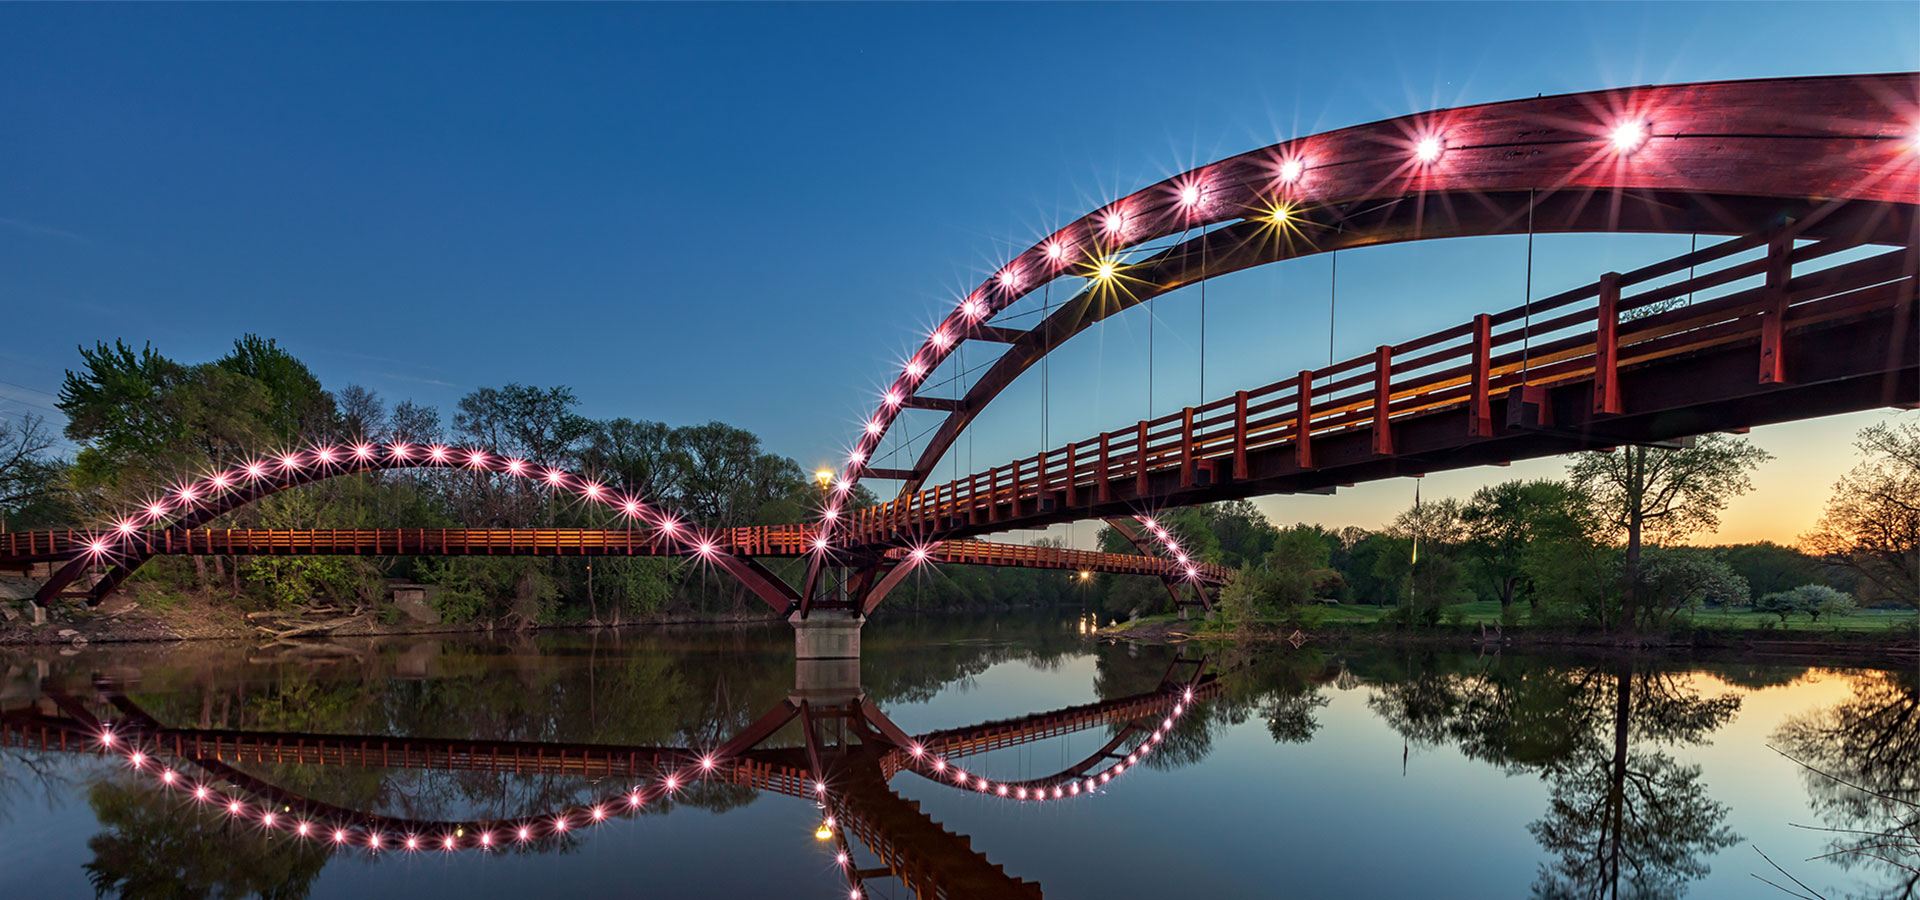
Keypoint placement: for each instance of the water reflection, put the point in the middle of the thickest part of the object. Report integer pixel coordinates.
(523, 748)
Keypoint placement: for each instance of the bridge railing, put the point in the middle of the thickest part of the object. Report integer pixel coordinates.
(1589, 332)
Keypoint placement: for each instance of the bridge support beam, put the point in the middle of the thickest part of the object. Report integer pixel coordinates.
(826, 653)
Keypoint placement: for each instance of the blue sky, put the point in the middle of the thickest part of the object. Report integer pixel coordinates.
(748, 213)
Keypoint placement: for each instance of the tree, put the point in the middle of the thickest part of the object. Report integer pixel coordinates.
(297, 407)
(1652, 494)
(1500, 520)
(29, 480)
(1674, 581)
(1770, 567)
(1811, 600)
(1872, 522)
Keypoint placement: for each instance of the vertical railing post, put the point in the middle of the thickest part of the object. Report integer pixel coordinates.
(1606, 348)
(1186, 447)
(1303, 421)
(1773, 319)
(1240, 472)
(1480, 406)
(1140, 461)
(1383, 400)
(1073, 492)
(1103, 490)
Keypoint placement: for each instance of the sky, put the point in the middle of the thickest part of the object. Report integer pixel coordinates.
(750, 213)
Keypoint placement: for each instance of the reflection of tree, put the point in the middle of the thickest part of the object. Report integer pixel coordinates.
(1862, 759)
(154, 847)
(1625, 818)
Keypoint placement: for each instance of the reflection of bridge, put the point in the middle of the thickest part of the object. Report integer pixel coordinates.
(1806, 310)
(847, 779)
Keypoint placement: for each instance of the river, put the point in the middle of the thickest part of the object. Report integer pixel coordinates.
(1311, 772)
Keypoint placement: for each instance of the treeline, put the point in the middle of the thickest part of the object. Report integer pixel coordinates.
(1599, 548)
(143, 421)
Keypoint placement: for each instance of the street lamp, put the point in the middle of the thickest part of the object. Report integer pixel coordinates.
(823, 477)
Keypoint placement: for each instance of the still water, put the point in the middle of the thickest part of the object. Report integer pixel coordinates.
(1316, 772)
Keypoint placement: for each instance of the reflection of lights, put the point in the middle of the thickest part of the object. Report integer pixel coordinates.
(1628, 136)
(823, 833)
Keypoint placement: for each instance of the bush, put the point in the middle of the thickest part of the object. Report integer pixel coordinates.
(1811, 600)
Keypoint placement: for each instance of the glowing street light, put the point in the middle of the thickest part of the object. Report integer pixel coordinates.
(1428, 148)
(1628, 136)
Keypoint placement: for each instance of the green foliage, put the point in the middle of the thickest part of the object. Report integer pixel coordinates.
(1810, 600)
(1872, 523)
(1674, 582)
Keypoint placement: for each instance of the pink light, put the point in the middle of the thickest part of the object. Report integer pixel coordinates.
(941, 338)
(1628, 136)
(107, 738)
(234, 807)
(373, 841)
(1291, 170)
(126, 526)
(413, 842)
(599, 813)
(187, 494)
(593, 490)
(673, 782)
(1001, 790)
(820, 543)
(1056, 251)
(1188, 695)
(874, 426)
(915, 368)
(559, 824)
(916, 750)
(339, 835)
(669, 526)
(919, 555)
(437, 453)
(363, 451)
(169, 777)
(201, 793)
(630, 507)
(853, 894)
(525, 834)
(972, 308)
(555, 476)
(400, 451)
(486, 838)
(303, 829)
(516, 467)
(289, 461)
(477, 459)
(1074, 789)
(892, 399)
(831, 514)
(1020, 794)
(1193, 572)
(705, 548)
(840, 857)
(959, 776)
(96, 546)
(819, 787)
(256, 471)
(939, 765)
(221, 481)
(634, 799)
(156, 509)
(266, 819)
(706, 763)
(857, 457)
(137, 759)
(1009, 278)
(326, 454)
(447, 843)
(1114, 222)
(1428, 148)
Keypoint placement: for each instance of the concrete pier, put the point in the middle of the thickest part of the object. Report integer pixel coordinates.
(826, 654)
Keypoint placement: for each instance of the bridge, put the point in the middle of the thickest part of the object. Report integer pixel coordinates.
(847, 778)
(1802, 306)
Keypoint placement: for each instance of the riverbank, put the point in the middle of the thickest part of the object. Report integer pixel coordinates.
(1897, 638)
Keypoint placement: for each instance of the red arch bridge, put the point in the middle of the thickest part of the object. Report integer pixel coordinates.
(1801, 304)
(843, 758)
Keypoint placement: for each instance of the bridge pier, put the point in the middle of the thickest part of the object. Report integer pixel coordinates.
(826, 654)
